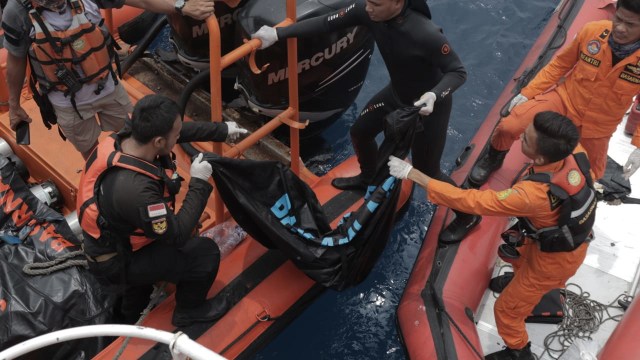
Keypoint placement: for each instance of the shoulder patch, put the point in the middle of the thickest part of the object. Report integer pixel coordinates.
(159, 226)
(593, 47)
(156, 210)
(504, 194)
(446, 49)
(574, 178)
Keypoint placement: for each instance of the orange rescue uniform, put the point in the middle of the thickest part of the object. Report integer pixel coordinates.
(536, 272)
(595, 94)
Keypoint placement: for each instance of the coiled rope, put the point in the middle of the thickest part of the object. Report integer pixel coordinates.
(59, 263)
(582, 318)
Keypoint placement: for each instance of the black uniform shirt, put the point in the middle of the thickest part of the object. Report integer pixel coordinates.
(129, 200)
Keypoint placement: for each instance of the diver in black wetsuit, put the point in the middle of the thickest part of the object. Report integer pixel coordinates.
(424, 71)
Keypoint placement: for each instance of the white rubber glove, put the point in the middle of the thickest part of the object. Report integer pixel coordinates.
(267, 34)
(234, 131)
(633, 163)
(426, 101)
(399, 168)
(519, 99)
(200, 169)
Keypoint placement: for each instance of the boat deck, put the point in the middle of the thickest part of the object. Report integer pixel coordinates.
(610, 269)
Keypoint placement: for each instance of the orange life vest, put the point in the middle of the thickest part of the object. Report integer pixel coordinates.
(571, 190)
(55, 55)
(107, 156)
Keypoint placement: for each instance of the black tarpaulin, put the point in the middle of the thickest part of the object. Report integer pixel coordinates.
(32, 305)
(281, 211)
(615, 187)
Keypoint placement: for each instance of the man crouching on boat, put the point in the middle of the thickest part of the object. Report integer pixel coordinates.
(592, 82)
(132, 235)
(556, 240)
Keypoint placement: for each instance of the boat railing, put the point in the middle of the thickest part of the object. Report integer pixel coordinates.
(180, 344)
(289, 116)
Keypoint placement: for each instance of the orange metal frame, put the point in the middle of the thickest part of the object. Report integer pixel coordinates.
(290, 116)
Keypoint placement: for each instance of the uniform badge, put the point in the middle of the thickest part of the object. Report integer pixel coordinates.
(78, 44)
(504, 194)
(159, 226)
(3, 305)
(604, 34)
(574, 178)
(445, 49)
(632, 69)
(593, 47)
(554, 201)
(156, 210)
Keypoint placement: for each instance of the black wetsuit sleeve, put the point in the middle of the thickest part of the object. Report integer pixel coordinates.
(350, 15)
(137, 202)
(444, 58)
(203, 131)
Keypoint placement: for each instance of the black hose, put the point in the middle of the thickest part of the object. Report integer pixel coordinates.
(191, 86)
(144, 44)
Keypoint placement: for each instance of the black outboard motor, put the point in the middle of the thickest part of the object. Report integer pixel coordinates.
(331, 66)
(190, 37)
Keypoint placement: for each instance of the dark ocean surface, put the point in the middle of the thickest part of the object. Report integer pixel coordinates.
(491, 37)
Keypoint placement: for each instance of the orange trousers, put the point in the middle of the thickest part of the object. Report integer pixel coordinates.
(511, 127)
(536, 273)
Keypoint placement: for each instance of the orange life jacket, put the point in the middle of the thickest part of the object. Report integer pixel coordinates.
(107, 156)
(55, 55)
(571, 189)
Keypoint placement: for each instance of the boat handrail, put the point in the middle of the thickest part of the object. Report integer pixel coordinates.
(180, 344)
(289, 116)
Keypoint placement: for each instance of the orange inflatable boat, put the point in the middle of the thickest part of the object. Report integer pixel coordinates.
(266, 288)
(447, 283)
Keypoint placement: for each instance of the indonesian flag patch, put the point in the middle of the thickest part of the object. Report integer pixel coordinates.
(156, 210)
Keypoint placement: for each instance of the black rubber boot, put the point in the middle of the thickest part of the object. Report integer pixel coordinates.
(367, 154)
(512, 354)
(208, 311)
(487, 164)
(498, 283)
(458, 228)
(351, 183)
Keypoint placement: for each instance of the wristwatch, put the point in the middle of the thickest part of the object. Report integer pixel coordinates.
(178, 6)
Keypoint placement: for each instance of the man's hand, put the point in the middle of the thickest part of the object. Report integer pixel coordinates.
(234, 131)
(16, 116)
(632, 164)
(198, 9)
(267, 34)
(399, 168)
(200, 169)
(426, 101)
(517, 100)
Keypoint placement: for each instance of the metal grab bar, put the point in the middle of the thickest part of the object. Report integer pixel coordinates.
(290, 116)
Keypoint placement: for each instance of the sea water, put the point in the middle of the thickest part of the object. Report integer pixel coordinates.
(491, 37)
